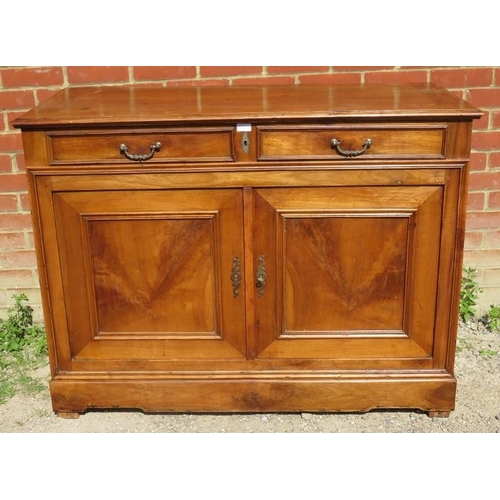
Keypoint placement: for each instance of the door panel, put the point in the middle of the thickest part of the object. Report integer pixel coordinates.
(326, 271)
(158, 280)
(357, 267)
(147, 273)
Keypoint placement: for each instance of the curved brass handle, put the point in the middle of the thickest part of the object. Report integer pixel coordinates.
(153, 149)
(351, 152)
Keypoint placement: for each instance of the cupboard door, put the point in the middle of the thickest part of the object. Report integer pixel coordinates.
(351, 272)
(151, 274)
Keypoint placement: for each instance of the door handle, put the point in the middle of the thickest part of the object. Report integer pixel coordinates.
(236, 276)
(350, 153)
(261, 276)
(152, 150)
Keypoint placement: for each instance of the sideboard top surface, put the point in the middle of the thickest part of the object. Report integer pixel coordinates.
(143, 105)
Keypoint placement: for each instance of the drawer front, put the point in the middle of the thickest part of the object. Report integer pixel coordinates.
(399, 141)
(176, 145)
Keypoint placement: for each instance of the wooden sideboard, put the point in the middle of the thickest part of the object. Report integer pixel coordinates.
(250, 249)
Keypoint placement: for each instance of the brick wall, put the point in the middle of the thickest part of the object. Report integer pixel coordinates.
(23, 87)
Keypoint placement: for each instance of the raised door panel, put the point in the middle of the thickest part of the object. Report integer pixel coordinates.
(147, 274)
(354, 290)
(351, 272)
(153, 276)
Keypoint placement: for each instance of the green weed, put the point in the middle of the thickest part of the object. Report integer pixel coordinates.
(19, 330)
(23, 348)
(7, 390)
(464, 344)
(469, 294)
(493, 318)
(487, 353)
(42, 412)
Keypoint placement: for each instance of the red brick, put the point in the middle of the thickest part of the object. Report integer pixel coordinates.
(13, 182)
(495, 116)
(8, 202)
(198, 83)
(361, 68)
(473, 239)
(43, 94)
(485, 140)
(299, 70)
(12, 241)
(332, 78)
(16, 278)
(19, 159)
(31, 240)
(11, 116)
(483, 220)
(483, 122)
(5, 163)
(15, 221)
(16, 99)
(477, 258)
(484, 180)
(215, 71)
(269, 80)
(32, 77)
(32, 293)
(25, 201)
(478, 161)
(149, 84)
(163, 72)
(492, 239)
(11, 141)
(462, 77)
(97, 74)
(475, 202)
(490, 276)
(396, 77)
(18, 259)
(494, 199)
(489, 98)
(494, 160)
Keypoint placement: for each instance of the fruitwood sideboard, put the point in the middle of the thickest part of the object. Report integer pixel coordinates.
(250, 249)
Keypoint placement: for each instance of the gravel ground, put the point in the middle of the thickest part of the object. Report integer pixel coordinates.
(477, 407)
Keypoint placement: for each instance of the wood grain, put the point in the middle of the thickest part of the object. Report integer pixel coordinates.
(362, 255)
(314, 142)
(186, 144)
(138, 105)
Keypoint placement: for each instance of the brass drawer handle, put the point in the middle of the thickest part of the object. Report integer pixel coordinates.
(153, 149)
(351, 152)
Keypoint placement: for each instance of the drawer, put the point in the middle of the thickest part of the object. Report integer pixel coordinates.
(136, 146)
(399, 141)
